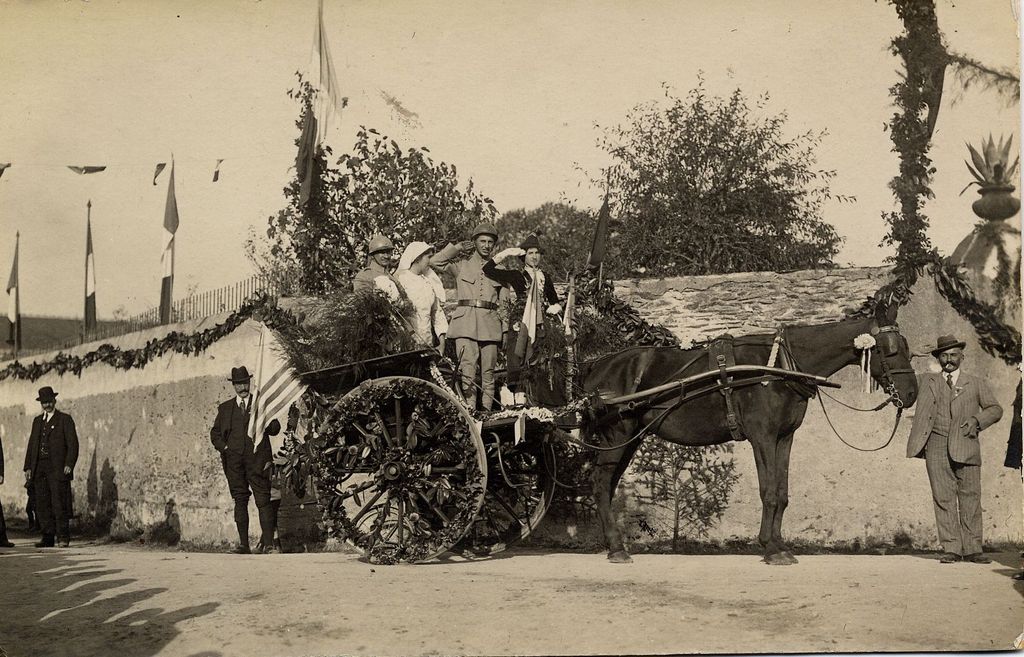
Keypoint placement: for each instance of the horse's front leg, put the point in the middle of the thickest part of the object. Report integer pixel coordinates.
(782, 453)
(608, 468)
(764, 459)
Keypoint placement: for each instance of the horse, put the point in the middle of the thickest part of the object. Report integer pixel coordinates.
(769, 414)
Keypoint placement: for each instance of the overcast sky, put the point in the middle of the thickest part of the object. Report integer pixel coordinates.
(509, 92)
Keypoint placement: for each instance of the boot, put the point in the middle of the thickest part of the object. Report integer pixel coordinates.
(47, 541)
(268, 519)
(242, 524)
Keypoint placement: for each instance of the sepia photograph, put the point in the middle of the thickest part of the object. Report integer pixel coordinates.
(547, 327)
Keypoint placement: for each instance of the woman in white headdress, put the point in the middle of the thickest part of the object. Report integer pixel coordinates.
(426, 292)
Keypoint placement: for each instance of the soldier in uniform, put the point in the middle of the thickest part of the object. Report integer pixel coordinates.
(380, 253)
(475, 324)
(50, 464)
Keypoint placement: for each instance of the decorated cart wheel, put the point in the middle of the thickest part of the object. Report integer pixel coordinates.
(520, 487)
(401, 469)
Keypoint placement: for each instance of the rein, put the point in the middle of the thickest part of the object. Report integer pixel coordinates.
(888, 383)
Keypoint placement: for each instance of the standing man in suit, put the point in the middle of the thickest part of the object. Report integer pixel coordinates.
(952, 409)
(4, 543)
(245, 467)
(50, 465)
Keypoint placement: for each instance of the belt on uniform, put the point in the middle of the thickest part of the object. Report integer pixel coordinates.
(473, 303)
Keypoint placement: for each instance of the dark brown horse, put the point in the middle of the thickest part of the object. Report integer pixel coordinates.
(769, 414)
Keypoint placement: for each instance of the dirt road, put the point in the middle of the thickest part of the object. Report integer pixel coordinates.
(127, 601)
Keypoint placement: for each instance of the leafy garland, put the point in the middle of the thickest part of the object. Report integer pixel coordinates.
(260, 307)
(925, 59)
(349, 437)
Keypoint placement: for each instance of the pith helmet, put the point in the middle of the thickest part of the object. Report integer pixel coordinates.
(380, 243)
(485, 229)
(531, 242)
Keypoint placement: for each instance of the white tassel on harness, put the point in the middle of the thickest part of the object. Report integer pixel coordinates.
(865, 342)
(774, 355)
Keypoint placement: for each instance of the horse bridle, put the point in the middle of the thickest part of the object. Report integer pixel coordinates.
(888, 384)
(887, 373)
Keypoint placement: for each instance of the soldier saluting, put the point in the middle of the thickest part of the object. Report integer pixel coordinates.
(475, 324)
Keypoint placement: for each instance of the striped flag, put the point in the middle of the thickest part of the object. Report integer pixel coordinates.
(167, 258)
(14, 301)
(277, 387)
(90, 273)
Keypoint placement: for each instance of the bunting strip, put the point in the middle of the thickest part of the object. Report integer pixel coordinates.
(216, 171)
(159, 168)
(4, 166)
(86, 169)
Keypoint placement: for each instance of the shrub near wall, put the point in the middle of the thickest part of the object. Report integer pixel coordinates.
(145, 463)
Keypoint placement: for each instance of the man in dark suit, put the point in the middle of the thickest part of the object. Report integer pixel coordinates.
(4, 543)
(50, 464)
(952, 409)
(245, 467)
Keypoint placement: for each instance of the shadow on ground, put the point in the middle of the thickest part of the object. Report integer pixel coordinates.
(57, 603)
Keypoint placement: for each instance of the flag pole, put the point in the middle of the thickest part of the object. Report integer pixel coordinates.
(85, 279)
(17, 297)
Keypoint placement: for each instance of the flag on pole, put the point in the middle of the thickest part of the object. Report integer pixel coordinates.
(216, 171)
(327, 99)
(600, 243)
(167, 258)
(14, 301)
(4, 166)
(305, 160)
(570, 306)
(156, 174)
(90, 273)
(276, 387)
(83, 170)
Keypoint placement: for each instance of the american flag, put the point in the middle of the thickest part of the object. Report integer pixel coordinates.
(276, 388)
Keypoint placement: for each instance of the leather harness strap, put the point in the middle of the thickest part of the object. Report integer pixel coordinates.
(721, 355)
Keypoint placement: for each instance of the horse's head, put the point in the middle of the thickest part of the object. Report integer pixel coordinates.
(890, 358)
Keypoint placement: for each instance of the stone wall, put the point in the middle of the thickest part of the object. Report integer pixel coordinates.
(146, 458)
(145, 454)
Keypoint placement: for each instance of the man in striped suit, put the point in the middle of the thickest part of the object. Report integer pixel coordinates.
(952, 409)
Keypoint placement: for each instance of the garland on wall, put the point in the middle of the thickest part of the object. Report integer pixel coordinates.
(260, 307)
(917, 96)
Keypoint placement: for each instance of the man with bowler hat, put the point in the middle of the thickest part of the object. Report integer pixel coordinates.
(952, 409)
(50, 464)
(245, 466)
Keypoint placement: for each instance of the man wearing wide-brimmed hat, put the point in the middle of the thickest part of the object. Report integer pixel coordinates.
(245, 466)
(50, 464)
(952, 409)
(475, 324)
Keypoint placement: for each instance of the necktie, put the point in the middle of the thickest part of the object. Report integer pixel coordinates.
(949, 381)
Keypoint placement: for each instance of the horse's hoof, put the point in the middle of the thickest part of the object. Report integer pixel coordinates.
(620, 556)
(779, 559)
(789, 555)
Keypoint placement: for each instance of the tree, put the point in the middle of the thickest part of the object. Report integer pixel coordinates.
(703, 186)
(378, 187)
(691, 483)
(564, 231)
